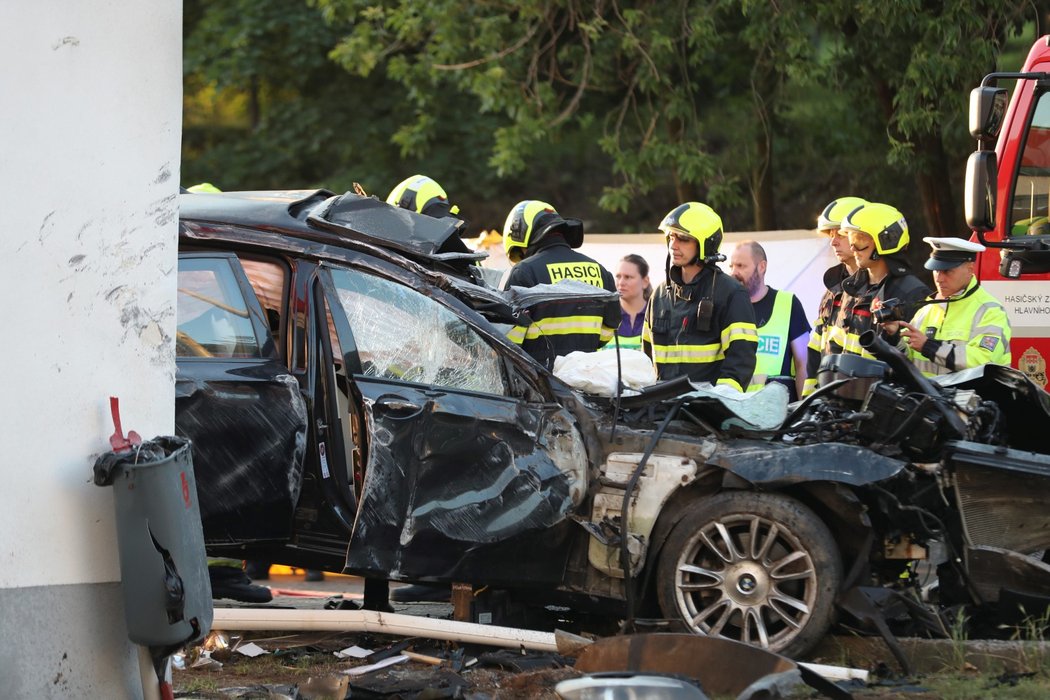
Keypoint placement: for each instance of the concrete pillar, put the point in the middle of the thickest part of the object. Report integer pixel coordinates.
(90, 126)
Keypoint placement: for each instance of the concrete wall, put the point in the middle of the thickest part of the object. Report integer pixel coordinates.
(90, 123)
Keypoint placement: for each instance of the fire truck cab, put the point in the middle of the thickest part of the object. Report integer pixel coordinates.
(1007, 195)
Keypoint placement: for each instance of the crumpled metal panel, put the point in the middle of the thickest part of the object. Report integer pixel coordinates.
(526, 297)
(724, 668)
(777, 464)
(249, 441)
(372, 219)
(993, 569)
(464, 488)
(1025, 406)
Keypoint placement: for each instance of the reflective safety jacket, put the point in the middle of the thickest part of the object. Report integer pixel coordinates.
(967, 330)
(563, 326)
(773, 342)
(714, 341)
(827, 336)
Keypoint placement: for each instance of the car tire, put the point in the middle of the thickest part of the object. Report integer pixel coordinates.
(778, 595)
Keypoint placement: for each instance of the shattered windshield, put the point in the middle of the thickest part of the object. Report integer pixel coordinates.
(404, 335)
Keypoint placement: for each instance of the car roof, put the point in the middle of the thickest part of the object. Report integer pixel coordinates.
(323, 216)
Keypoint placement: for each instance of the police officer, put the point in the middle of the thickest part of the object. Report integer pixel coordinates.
(828, 335)
(699, 323)
(878, 236)
(968, 328)
(783, 331)
(541, 243)
(422, 195)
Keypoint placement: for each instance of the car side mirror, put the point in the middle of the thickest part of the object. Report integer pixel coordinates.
(987, 111)
(979, 192)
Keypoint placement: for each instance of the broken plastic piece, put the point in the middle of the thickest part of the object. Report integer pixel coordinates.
(251, 650)
(354, 652)
(117, 440)
(361, 670)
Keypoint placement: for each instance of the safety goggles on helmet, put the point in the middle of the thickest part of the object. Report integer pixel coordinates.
(885, 224)
(530, 221)
(833, 214)
(700, 223)
(422, 195)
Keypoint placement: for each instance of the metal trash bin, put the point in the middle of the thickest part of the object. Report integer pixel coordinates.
(163, 567)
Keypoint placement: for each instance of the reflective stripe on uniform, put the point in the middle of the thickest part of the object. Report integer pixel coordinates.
(928, 367)
(565, 325)
(739, 331)
(519, 334)
(668, 354)
(726, 381)
(816, 339)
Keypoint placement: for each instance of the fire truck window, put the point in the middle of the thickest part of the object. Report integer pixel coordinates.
(1032, 192)
(212, 315)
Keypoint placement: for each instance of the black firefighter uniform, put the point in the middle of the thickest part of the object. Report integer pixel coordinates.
(564, 326)
(704, 330)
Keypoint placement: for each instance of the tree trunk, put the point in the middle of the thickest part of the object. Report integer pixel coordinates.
(933, 181)
(765, 218)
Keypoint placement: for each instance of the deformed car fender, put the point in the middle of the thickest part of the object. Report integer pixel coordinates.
(778, 465)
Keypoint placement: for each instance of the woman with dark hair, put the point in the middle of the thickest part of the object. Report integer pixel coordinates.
(632, 282)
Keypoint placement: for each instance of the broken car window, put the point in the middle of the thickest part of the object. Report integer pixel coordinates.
(267, 279)
(212, 315)
(404, 335)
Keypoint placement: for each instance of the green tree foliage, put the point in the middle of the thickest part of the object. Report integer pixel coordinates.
(613, 110)
(915, 63)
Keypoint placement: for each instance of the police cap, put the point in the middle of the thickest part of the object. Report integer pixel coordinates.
(949, 253)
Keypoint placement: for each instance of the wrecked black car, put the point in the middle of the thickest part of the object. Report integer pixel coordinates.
(355, 405)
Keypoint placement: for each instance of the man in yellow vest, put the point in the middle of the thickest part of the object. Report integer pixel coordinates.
(783, 331)
(968, 327)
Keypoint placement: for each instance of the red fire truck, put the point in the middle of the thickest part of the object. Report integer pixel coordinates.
(1006, 199)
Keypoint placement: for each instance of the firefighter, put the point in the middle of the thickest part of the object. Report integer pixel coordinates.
(699, 323)
(827, 335)
(783, 331)
(883, 288)
(969, 328)
(422, 195)
(540, 243)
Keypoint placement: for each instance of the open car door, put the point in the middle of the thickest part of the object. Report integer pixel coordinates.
(465, 479)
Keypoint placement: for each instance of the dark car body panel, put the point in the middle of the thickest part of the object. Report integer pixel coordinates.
(425, 482)
(247, 422)
(421, 500)
(778, 465)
